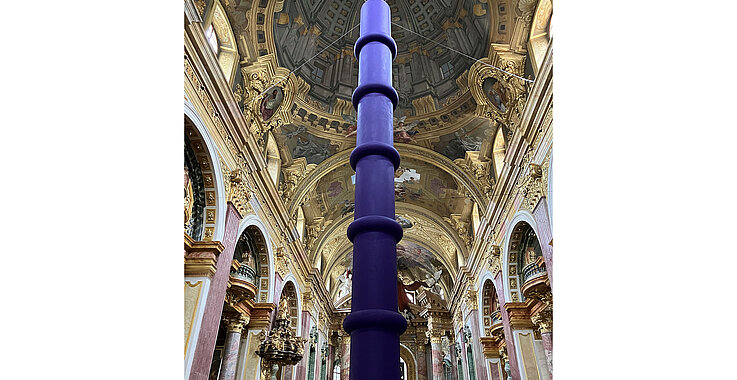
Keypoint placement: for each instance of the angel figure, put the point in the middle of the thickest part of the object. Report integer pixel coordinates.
(403, 132)
(353, 128)
(433, 279)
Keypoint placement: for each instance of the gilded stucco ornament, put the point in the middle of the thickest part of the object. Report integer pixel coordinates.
(282, 261)
(534, 185)
(544, 320)
(493, 257)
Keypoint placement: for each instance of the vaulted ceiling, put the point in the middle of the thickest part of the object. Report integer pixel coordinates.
(455, 108)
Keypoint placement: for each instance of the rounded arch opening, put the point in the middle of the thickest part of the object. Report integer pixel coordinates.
(203, 181)
(255, 229)
(289, 291)
(524, 259)
(490, 310)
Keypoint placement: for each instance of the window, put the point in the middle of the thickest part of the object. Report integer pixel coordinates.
(336, 372)
(317, 74)
(212, 39)
(446, 69)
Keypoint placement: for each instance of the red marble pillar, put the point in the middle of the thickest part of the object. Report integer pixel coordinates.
(235, 324)
(437, 356)
(215, 298)
(508, 337)
(454, 362)
(421, 357)
(345, 358)
(545, 235)
(301, 367)
(478, 349)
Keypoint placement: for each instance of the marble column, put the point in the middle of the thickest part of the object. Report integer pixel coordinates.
(345, 355)
(437, 354)
(421, 357)
(478, 351)
(202, 360)
(234, 326)
(514, 370)
(544, 321)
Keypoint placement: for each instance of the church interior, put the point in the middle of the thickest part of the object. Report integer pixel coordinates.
(269, 191)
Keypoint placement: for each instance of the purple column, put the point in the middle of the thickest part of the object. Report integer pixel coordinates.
(374, 323)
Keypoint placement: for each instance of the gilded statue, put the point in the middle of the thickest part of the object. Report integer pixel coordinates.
(283, 312)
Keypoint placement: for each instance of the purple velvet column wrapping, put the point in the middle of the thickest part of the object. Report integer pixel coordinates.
(374, 322)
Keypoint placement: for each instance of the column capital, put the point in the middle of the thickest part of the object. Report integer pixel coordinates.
(235, 322)
(471, 299)
(435, 336)
(544, 320)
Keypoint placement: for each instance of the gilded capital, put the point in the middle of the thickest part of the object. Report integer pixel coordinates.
(435, 336)
(235, 322)
(472, 299)
(544, 320)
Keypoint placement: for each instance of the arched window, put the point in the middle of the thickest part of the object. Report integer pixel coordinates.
(212, 39)
(499, 151)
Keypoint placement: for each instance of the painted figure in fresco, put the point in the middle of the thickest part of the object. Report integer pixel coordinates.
(348, 207)
(403, 132)
(496, 93)
(404, 222)
(310, 150)
(271, 102)
(300, 129)
(353, 127)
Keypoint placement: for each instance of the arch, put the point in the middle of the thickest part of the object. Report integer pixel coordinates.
(485, 280)
(520, 216)
(424, 155)
(212, 153)
(265, 293)
(227, 52)
(406, 354)
(292, 290)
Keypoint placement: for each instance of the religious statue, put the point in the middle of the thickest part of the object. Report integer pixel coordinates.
(271, 102)
(530, 255)
(346, 283)
(188, 198)
(283, 312)
(404, 132)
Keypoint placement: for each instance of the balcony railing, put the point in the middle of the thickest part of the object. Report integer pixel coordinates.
(531, 271)
(246, 273)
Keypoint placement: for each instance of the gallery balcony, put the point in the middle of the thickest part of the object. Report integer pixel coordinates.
(534, 278)
(496, 321)
(243, 280)
(532, 271)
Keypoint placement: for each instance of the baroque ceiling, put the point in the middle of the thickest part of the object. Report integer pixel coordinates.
(296, 73)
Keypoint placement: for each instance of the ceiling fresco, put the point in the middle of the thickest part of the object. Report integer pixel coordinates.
(415, 262)
(297, 75)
